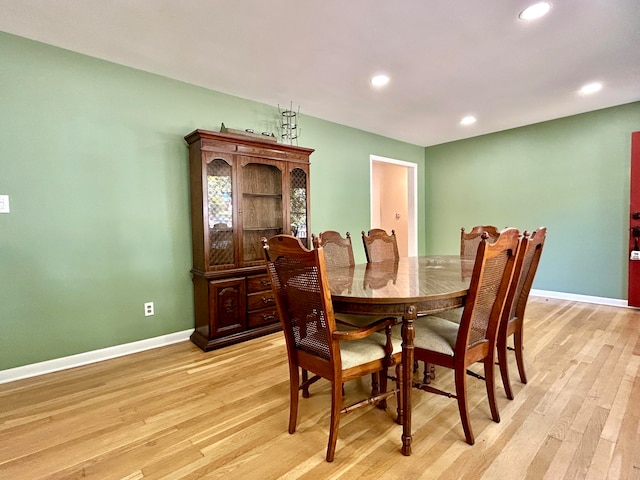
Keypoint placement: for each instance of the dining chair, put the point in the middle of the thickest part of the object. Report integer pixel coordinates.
(301, 289)
(379, 246)
(338, 253)
(338, 250)
(457, 346)
(516, 303)
(469, 241)
(468, 248)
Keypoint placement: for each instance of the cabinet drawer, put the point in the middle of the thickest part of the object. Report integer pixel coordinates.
(258, 283)
(262, 317)
(256, 301)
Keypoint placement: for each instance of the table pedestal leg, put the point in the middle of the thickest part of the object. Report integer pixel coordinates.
(408, 335)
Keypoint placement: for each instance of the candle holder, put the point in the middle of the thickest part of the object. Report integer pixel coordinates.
(289, 124)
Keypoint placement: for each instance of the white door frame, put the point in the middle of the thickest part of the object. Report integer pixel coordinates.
(412, 200)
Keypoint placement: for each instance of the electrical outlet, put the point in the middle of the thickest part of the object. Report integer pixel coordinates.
(148, 309)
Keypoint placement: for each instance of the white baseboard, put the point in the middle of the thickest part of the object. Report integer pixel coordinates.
(94, 356)
(614, 302)
(63, 363)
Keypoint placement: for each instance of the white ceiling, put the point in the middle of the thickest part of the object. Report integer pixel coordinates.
(446, 58)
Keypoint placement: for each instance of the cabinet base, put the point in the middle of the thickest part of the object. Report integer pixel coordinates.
(208, 344)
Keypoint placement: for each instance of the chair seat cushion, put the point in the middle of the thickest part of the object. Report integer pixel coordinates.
(453, 315)
(365, 350)
(433, 333)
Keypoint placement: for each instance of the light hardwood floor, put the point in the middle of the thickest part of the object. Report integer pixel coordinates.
(177, 412)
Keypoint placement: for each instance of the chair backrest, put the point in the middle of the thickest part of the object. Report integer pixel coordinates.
(380, 246)
(338, 251)
(524, 273)
(488, 288)
(469, 241)
(302, 296)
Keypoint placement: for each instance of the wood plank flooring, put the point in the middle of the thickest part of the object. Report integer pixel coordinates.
(179, 413)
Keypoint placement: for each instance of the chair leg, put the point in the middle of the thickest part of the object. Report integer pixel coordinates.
(399, 387)
(429, 373)
(461, 395)
(490, 382)
(294, 387)
(305, 377)
(336, 406)
(503, 361)
(519, 348)
(382, 404)
(376, 384)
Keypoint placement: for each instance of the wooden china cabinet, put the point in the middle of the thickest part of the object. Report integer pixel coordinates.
(242, 189)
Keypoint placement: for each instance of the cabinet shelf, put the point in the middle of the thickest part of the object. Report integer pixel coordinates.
(263, 195)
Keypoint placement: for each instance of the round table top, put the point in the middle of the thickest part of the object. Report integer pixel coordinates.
(411, 279)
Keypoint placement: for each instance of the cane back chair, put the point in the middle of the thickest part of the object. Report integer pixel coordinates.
(468, 248)
(379, 246)
(516, 303)
(300, 285)
(338, 250)
(457, 346)
(469, 241)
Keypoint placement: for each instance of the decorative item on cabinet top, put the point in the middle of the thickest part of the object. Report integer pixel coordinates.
(290, 127)
(249, 132)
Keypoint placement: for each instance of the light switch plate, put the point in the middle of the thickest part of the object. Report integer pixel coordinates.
(4, 203)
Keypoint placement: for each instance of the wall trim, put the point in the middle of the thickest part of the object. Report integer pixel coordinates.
(614, 302)
(93, 356)
(412, 201)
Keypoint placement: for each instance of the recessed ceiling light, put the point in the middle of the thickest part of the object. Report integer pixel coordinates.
(468, 120)
(536, 10)
(590, 88)
(379, 80)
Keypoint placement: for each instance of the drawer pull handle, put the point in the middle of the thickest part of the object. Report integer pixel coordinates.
(266, 300)
(268, 318)
(265, 283)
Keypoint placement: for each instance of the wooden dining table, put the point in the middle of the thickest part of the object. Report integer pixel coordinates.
(409, 287)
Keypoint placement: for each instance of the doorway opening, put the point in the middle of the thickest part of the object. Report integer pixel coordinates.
(394, 200)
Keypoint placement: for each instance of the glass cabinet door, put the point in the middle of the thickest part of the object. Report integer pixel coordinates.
(299, 202)
(262, 208)
(220, 213)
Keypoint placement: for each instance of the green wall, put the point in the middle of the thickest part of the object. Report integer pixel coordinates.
(93, 158)
(570, 175)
